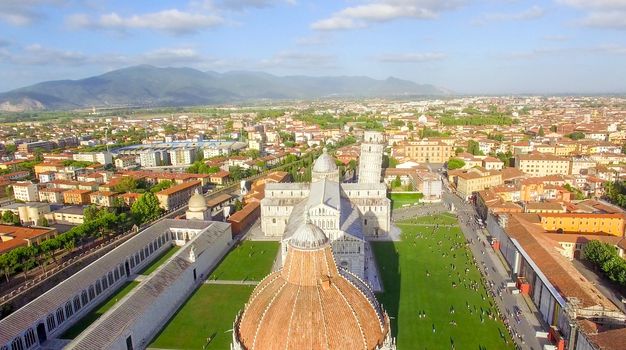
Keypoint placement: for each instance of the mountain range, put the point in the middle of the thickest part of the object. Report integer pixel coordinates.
(149, 86)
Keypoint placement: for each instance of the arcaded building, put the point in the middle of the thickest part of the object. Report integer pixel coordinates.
(311, 304)
(348, 213)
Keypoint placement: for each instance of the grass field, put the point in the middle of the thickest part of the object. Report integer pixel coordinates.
(251, 260)
(409, 291)
(159, 261)
(442, 219)
(400, 199)
(210, 312)
(91, 317)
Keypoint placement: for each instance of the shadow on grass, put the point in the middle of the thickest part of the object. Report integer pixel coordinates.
(389, 267)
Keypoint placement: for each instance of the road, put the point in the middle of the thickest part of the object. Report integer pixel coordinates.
(525, 326)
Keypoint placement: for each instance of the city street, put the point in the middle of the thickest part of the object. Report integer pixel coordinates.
(527, 325)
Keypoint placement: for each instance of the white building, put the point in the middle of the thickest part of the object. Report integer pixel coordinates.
(26, 191)
(151, 159)
(348, 213)
(371, 158)
(182, 156)
(94, 157)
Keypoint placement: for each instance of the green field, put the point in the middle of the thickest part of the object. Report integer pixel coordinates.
(211, 310)
(400, 199)
(150, 268)
(251, 260)
(441, 219)
(209, 313)
(92, 316)
(409, 291)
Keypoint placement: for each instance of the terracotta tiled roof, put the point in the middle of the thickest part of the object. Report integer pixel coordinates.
(309, 304)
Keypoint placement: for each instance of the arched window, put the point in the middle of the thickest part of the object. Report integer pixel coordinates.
(141, 256)
(105, 284)
(68, 310)
(273, 220)
(30, 338)
(116, 273)
(76, 303)
(132, 263)
(98, 287)
(17, 344)
(51, 322)
(137, 259)
(60, 316)
(111, 281)
(83, 297)
(92, 293)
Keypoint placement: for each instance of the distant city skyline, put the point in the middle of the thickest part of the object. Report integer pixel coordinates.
(469, 47)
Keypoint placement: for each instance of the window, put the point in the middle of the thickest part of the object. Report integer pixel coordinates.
(111, 278)
(17, 344)
(76, 303)
(60, 315)
(105, 284)
(68, 310)
(116, 273)
(121, 269)
(83, 298)
(98, 287)
(92, 293)
(50, 322)
(30, 337)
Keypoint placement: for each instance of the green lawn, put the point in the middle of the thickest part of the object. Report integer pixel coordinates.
(210, 312)
(400, 199)
(251, 260)
(409, 291)
(150, 268)
(442, 219)
(92, 316)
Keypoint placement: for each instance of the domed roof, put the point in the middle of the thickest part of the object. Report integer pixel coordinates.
(324, 163)
(308, 235)
(309, 304)
(197, 202)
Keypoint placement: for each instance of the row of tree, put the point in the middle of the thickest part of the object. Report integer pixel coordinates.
(98, 222)
(604, 256)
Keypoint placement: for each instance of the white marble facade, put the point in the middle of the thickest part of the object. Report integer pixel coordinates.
(348, 213)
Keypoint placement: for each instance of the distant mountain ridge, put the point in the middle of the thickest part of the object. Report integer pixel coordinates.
(148, 86)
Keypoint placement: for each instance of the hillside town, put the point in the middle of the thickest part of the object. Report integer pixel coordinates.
(539, 181)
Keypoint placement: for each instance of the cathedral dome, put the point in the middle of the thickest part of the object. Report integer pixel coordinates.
(197, 202)
(308, 236)
(324, 163)
(310, 304)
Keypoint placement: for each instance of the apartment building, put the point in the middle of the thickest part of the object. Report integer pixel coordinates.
(79, 197)
(474, 180)
(94, 157)
(30, 147)
(51, 195)
(26, 191)
(182, 156)
(538, 164)
(177, 195)
(425, 151)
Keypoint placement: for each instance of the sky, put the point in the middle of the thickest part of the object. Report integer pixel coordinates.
(466, 46)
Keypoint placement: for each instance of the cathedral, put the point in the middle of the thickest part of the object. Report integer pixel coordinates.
(311, 304)
(348, 213)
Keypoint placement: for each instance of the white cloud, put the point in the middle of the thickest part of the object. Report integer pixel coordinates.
(603, 49)
(531, 13)
(23, 12)
(411, 57)
(609, 14)
(360, 16)
(289, 59)
(170, 21)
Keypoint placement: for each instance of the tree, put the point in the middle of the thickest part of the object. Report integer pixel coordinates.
(455, 163)
(10, 218)
(576, 135)
(553, 128)
(578, 194)
(42, 222)
(474, 148)
(396, 182)
(126, 184)
(162, 185)
(9, 191)
(598, 252)
(146, 208)
(238, 205)
(393, 162)
(541, 133)
(459, 150)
